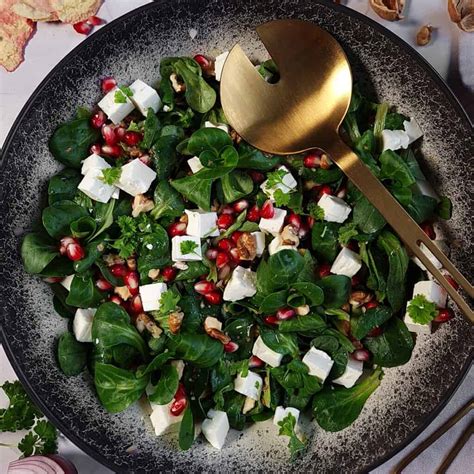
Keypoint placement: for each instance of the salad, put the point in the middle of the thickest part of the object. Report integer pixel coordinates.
(224, 285)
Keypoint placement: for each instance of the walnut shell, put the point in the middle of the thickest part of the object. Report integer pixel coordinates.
(461, 12)
(390, 10)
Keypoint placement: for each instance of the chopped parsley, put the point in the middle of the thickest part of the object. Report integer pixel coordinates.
(42, 440)
(287, 428)
(421, 311)
(121, 94)
(129, 238)
(188, 246)
(168, 301)
(111, 175)
(275, 178)
(133, 127)
(347, 232)
(315, 211)
(281, 198)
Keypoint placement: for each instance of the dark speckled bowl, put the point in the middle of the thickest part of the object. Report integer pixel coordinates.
(131, 47)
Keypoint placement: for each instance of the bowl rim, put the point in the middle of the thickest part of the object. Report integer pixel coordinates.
(428, 68)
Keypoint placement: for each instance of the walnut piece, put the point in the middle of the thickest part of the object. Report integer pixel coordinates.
(177, 84)
(154, 273)
(423, 37)
(289, 235)
(390, 10)
(219, 335)
(131, 263)
(144, 321)
(112, 259)
(302, 310)
(123, 292)
(360, 297)
(249, 404)
(247, 246)
(175, 319)
(141, 203)
(461, 12)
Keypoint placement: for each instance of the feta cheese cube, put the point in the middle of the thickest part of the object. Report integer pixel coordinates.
(241, 284)
(145, 97)
(179, 366)
(432, 292)
(318, 363)
(416, 327)
(273, 225)
(215, 428)
(287, 185)
(67, 282)
(136, 177)
(162, 419)
(394, 139)
(219, 64)
(115, 111)
(82, 324)
(177, 254)
(91, 185)
(441, 244)
(269, 356)
(335, 209)
(259, 242)
(347, 263)
(195, 164)
(277, 244)
(412, 129)
(353, 371)
(93, 162)
(424, 188)
(250, 386)
(202, 224)
(211, 322)
(151, 294)
(221, 126)
(281, 413)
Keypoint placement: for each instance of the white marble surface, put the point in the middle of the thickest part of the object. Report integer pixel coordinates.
(451, 55)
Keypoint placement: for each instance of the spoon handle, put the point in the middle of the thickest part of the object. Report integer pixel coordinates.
(401, 222)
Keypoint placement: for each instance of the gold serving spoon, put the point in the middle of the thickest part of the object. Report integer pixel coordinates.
(304, 110)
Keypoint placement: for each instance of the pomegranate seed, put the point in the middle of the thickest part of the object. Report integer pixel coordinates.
(324, 270)
(132, 138)
(107, 84)
(223, 272)
(227, 210)
(312, 159)
(451, 281)
(83, 27)
(236, 236)
(177, 228)
(203, 287)
(235, 255)
(240, 206)
(116, 299)
(64, 242)
(303, 231)
(444, 315)
(325, 189)
(356, 280)
(214, 297)
(211, 254)
(267, 211)
(95, 149)
(179, 402)
(169, 273)
(224, 221)
(310, 221)
(108, 133)
(95, 20)
(371, 304)
(132, 280)
(231, 347)
(342, 192)
(75, 252)
(375, 332)
(254, 214)
(136, 306)
(53, 279)
(285, 313)
(226, 244)
(202, 61)
(271, 319)
(119, 270)
(98, 119)
(257, 177)
(103, 284)
(120, 133)
(361, 354)
(255, 362)
(222, 259)
(145, 159)
(111, 150)
(294, 220)
(428, 229)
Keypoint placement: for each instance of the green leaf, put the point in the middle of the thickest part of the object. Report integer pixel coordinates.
(63, 186)
(57, 217)
(151, 129)
(324, 240)
(445, 208)
(72, 355)
(165, 389)
(37, 251)
(309, 322)
(421, 310)
(335, 409)
(274, 301)
(394, 121)
(71, 141)
(347, 232)
(164, 157)
(287, 428)
(196, 190)
(422, 208)
(111, 175)
(168, 301)
(366, 217)
(41, 441)
(251, 158)
(83, 292)
(313, 293)
(379, 122)
(117, 388)
(315, 211)
(393, 347)
(156, 363)
(188, 246)
(236, 185)
(104, 216)
(186, 430)
(208, 139)
(237, 225)
(194, 270)
(393, 167)
(59, 267)
(83, 227)
(286, 344)
(168, 201)
(59, 301)
(372, 318)
(217, 166)
(336, 290)
(199, 349)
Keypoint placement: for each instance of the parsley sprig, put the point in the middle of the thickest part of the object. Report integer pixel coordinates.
(188, 246)
(347, 232)
(421, 310)
(111, 175)
(168, 301)
(120, 96)
(315, 211)
(288, 428)
(275, 178)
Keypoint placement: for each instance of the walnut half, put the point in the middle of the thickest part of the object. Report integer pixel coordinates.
(390, 10)
(175, 319)
(247, 246)
(461, 12)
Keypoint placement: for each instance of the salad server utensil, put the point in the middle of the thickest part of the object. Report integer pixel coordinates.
(304, 110)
